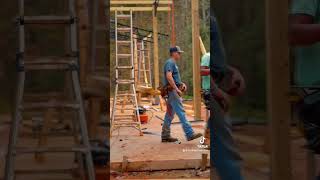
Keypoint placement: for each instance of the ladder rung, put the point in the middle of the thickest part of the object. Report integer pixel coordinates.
(129, 121)
(124, 55)
(124, 67)
(125, 94)
(123, 16)
(48, 19)
(124, 115)
(46, 105)
(28, 150)
(124, 81)
(44, 171)
(124, 29)
(126, 109)
(48, 63)
(125, 124)
(124, 42)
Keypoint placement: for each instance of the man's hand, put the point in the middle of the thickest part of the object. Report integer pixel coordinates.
(220, 96)
(237, 82)
(223, 99)
(179, 92)
(183, 87)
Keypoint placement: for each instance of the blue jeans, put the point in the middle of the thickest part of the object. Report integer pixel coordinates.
(224, 155)
(174, 106)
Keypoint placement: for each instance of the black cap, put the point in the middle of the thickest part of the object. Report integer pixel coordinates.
(175, 49)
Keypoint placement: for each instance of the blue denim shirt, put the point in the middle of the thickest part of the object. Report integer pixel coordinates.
(171, 66)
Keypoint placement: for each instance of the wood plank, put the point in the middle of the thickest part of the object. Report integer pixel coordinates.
(155, 50)
(196, 59)
(159, 165)
(278, 88)
(139, 9)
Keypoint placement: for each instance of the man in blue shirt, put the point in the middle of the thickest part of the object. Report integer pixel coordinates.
(174, 100)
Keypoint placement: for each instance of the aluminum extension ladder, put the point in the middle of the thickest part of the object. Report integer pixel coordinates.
(125, 104)
(68, 65)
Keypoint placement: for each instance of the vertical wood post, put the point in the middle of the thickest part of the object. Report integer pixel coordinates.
(196, 59)
(155, 49)
(278, 88)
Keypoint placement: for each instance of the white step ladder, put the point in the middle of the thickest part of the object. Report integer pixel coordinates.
(125, 105)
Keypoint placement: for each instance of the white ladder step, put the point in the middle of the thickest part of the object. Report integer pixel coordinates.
(123, 16)
(125, 81)
(124, 67)
(124, 42)
(124, 55)
(126, 109)
(30, 150)
(47, 19)
(46, 105)
(125, 95)
(124, 29)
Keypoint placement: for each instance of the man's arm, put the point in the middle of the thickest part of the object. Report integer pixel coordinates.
(171, 82)
(302, 30)
(220, 96)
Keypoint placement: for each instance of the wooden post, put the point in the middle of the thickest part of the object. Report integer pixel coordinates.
(135, 59)
(278, 88)
(149, 61)
(196, 59)
(155, 49)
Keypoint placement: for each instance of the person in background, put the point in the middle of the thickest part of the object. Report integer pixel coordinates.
(304, 37)
(205, 86)
(225, 81)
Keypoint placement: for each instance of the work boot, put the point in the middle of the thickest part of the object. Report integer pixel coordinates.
(194, 136)
(169, 139)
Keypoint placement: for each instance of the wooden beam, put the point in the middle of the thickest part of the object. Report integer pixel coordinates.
(155, 50)
(140, 2)
(196, 59)
(202, 47)
(278, 88)
(158, 165)
(139, 9)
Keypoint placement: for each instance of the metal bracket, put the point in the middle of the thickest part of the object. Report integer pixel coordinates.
(19, 63)
(20, 20)
(74, 20)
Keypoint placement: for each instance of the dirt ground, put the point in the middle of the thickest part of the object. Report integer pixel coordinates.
(250, 139)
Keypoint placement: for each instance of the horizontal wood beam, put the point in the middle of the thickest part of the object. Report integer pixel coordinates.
(139, 9)
(156, 165)
(145, 2)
